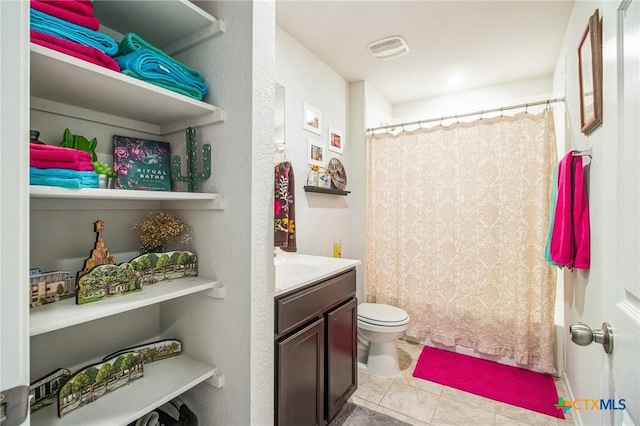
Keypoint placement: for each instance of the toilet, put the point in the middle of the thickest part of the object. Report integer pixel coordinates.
(379, 328)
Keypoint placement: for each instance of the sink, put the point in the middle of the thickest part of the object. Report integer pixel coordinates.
(296, 270)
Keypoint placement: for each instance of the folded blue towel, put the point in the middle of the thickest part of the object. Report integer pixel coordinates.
(63, 177)
(155, 68)
(66, 30)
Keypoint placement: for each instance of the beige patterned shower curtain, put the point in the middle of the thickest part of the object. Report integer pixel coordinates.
(457, 218)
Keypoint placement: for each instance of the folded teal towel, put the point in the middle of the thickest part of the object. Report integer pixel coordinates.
(175, 87)
(66, 30)
(156, 69)
(63, 177)
(150, 67)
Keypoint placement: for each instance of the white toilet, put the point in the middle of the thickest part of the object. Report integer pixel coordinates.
(379, 328)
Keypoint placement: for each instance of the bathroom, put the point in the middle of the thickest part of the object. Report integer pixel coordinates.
(355, 106)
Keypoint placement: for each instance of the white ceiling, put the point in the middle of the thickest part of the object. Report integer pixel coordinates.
(484, 42)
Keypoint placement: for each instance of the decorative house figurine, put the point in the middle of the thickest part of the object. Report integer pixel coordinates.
(193, 176)
(45, 390)
(101, 278)
(50, 287)
(156, 267)
(93, 382)
(155, 351)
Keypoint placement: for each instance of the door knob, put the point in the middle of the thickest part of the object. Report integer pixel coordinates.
(583, 335)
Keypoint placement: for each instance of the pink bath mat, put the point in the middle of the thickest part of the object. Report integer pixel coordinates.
(511, 385)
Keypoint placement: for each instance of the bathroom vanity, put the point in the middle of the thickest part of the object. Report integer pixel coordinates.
(315, 338)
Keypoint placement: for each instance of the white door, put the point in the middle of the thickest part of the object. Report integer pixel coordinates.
(621, 301)
(14, 206)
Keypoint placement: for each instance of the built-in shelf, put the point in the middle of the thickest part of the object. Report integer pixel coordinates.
(189, 23)
(66, 313)
(325, 190)
(57, 198)
(162, 381)
(65, 85)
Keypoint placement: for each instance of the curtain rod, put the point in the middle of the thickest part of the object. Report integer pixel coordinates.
(480, 113)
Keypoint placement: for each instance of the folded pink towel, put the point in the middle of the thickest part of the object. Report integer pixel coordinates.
(570, 240)
(55, 157)
(70, 11)
(77, 50)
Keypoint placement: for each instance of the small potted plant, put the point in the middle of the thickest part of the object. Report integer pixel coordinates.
(159, 230)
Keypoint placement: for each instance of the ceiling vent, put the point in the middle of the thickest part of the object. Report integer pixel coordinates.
(390, 47)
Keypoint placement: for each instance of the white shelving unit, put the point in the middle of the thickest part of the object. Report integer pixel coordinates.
(66, 313)
(162, 381)
(69, 87)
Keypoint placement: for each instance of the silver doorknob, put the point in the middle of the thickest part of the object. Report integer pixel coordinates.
(581, 334)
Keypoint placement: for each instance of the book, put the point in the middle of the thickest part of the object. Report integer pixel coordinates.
(141, 164)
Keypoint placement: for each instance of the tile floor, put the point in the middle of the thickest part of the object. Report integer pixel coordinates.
(420, 402)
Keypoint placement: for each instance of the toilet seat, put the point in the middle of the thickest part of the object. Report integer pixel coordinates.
(381, 315)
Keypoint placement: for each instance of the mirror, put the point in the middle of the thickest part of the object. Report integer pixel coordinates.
(279, 118)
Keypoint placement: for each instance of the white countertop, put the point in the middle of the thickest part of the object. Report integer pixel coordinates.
(297, 270)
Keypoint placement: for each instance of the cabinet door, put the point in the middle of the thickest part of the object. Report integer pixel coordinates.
(342, 356)
(300, 377)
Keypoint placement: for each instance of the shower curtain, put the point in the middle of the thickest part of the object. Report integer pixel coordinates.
(457, 218)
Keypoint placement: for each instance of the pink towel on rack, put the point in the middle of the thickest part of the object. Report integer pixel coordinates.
(77, 12)
(56, 157)
(570, 240)
(77, 50)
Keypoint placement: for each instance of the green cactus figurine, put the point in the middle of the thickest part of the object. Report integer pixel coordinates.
(193, 176)
(79, 142)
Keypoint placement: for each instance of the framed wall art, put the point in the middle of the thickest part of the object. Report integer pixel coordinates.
(336, 141)
(590, 75)
(316, 153)
(312, 119)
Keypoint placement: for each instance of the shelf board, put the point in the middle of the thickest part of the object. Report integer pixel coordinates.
(162, 381)
(66, 313)
(57, 198)
(75, 85)
(325, 190)
(143, 18)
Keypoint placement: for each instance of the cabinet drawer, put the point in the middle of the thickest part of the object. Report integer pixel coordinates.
(295, 309)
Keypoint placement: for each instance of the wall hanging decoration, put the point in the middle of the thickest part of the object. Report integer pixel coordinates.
(44, 391)
(154, 351)
(336, 141)
(49, 287)
(590, 73)
(95, 381)
(193, 177)
(141, 164)
(338, 174)
(101, 278)
(311, 119)
(315, 153)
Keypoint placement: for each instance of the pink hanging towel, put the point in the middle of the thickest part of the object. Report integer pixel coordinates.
(570, 240)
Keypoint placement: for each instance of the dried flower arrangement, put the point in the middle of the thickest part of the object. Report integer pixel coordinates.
(159, 230)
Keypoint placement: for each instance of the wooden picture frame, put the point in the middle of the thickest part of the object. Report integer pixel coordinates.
(590, 75)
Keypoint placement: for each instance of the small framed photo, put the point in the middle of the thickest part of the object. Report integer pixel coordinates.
(312, 119)
(336, 141)
(590, 76)
(316, 153)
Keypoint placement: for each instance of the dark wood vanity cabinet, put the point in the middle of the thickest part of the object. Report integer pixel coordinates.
(316, 350)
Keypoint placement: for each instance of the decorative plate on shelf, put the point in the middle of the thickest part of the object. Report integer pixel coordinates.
(338, 174)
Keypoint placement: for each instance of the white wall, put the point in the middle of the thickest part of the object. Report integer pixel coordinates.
(320, 218)
(586, 291)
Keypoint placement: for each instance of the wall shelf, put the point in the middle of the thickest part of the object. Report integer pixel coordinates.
(66, 313)
(325, 190)
(162, 381)
(69, 86)
(57, 198)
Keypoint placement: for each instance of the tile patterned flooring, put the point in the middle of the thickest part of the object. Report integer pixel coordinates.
(421, 403)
